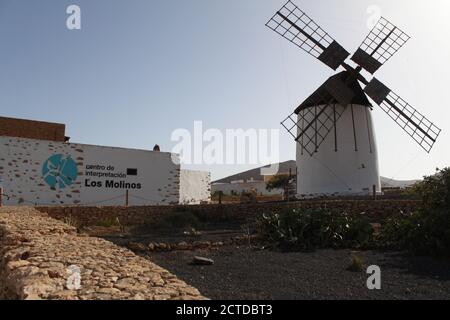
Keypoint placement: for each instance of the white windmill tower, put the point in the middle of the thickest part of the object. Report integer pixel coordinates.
(336, 142)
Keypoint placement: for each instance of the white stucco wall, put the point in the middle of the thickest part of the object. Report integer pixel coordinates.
(347, 170)
(238, 188)
(195, 187)
(101, 174)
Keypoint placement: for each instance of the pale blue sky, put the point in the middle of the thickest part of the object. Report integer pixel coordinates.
(140, 69)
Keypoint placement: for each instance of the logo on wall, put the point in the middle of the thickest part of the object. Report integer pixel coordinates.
(59, 171)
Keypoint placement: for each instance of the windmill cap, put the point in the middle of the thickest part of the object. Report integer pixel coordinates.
(340, 87)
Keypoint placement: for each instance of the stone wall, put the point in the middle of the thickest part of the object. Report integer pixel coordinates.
(41, 258)
(32, 129)
(238, 213)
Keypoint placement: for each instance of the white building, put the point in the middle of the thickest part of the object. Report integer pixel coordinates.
(42, 172)
(253, 181)
(195, 187)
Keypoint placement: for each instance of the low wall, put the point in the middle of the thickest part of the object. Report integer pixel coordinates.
(260, 187)
(41, 258)
(238, 213)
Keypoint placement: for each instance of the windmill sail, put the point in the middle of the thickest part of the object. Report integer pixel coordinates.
(311, 126)
(422, 130)
(380, 45)
(293, 24)
(318, 115)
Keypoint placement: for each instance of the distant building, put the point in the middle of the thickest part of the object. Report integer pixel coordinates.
(253, 181)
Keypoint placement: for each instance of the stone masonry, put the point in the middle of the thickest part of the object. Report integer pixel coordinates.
(40, 256)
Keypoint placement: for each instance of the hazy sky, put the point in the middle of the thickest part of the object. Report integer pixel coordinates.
(140, 69)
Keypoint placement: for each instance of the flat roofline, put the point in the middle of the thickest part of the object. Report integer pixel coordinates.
(92, 145)
(120, 148)
(34, 121)
(75, 143)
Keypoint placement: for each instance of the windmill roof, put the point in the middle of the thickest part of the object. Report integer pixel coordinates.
(323, 96)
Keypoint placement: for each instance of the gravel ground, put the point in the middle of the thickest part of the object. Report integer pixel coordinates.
(244, 273)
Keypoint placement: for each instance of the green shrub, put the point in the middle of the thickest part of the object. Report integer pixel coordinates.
(435, 191)
(279, 181)
(109, 222)
(308, 229)
(426, 231)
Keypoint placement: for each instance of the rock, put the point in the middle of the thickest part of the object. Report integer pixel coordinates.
(25, 272)
(124, 283)
(151, 247)
(64, 295)
(110, 291)
(54, 273)
(157, 281)
(200, 261)
(32, 297)
(202, 244)
(37, 288)
(162, 246)
(139, 247)
(161, 297)
(51, 265)
(17, 264)
(139, 297)
(183, 246)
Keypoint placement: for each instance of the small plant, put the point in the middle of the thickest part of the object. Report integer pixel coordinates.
(71, 221)
(192, 233)
(356, 263)
(247, 231)
(109, 222)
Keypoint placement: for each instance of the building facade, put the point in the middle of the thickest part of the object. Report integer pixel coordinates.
(39, 172)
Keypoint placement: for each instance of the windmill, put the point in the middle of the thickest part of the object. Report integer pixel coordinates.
(333, 128)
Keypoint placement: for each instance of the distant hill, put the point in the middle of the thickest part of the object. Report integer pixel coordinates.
(255, 175)
(391, 183)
